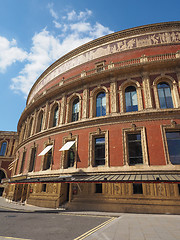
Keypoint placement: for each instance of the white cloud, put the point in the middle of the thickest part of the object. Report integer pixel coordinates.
(73, 16)
(99, 30)
(81, 27)
(53, 13)
(57, 24)
(10, 53)
(73, 30)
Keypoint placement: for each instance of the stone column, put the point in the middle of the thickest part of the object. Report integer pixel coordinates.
(63, 110)
(113, 94)
(10, 147)
(46, 116)
(122, 100)
(34, 122)
(176, 95)
(85, 111)
(147, 91)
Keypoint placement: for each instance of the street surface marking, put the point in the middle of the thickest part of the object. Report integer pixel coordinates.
(14, 238)
(85, 215)
(95, 229)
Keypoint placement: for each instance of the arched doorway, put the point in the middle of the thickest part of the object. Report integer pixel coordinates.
(2, 175)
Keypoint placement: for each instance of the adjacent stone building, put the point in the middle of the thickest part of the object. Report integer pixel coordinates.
(8, 143)
(101, 128)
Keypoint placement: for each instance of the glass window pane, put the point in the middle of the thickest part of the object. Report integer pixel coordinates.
(100, 151)
(101, 104)
(75, 110)
(135, 149)
(165, 97)
(131, 99)
(173, 141)
(3, 148)
(134, 98)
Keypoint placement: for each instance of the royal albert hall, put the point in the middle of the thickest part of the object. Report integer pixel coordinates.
(101, 127)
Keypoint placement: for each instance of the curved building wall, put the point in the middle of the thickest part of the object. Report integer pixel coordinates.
(116, 99)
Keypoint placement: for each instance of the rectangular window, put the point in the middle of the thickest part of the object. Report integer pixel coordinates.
(179, 188)
(100, 67)
(99, 151)
(22, 163)
(98, 188)
(135, 149)
(43, 187)
(47, 160)
(137, 188)
(32, 159)
(173, 142)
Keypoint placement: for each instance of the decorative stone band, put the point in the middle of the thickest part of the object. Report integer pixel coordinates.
(100, 178)
(116, 65)
(144, 40)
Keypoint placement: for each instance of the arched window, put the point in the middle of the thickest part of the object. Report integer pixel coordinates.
(55, 116)
(40, 122)
(75, 110)
(3, 148)
(164, 93)
(30, 128)
(101, 104)
(131, 99)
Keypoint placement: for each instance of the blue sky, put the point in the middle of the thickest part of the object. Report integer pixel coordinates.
(35, 33)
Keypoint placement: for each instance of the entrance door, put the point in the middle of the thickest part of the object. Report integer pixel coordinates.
(64, 193)
(1, 191)
(24, 192)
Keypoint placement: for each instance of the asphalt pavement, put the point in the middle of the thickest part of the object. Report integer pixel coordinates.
(111, 226)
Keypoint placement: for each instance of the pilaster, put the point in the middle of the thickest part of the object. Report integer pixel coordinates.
(147, 91)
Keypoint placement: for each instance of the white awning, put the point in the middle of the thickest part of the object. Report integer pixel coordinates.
(45, 150)
(67, 146)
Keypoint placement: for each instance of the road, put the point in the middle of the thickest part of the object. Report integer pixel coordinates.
(47, 226)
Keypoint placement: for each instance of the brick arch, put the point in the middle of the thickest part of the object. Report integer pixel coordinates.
(1, 142)
(70, 101)
(173, 86)
(51, 113)
(93, 96)
(122, 88)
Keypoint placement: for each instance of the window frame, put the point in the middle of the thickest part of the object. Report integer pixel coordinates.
(136, 186)
(101, 107)
(50, 142)
(164, 95)
(4, 152)
(168, 128)
(64, 154)
(135, 130)
(23, 160)
(131, 98)
(72, 109)
(55, 116)
(131, 159)
(122, 100)
(98, 186)
(92, 137)
(174, 90)
(40, 122)
(29, 133)
(100, 66)
(30, 158)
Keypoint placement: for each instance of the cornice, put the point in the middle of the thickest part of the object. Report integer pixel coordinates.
(135, 66)
(108, 38)
(118, 118)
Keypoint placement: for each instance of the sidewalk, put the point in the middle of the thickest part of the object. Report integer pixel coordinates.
(17, 206)
(124, 226)
(140, 227)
